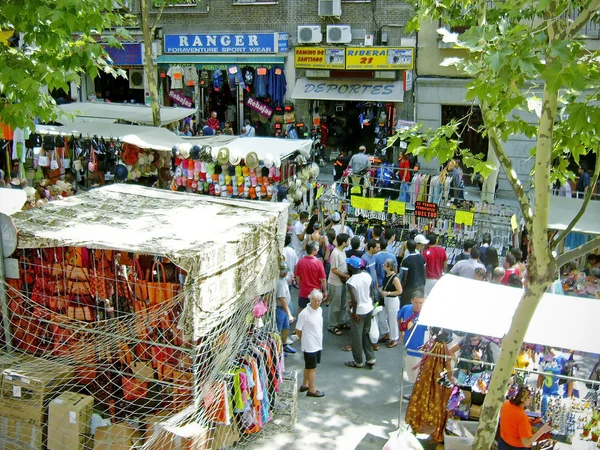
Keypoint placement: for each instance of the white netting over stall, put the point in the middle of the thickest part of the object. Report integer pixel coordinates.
(132, 322)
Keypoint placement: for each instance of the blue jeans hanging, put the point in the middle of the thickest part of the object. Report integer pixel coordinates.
(235, 76)
(404, 192)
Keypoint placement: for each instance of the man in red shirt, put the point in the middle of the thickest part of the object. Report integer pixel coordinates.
(213, 122)
(437, 263)
(510, 267)
(310, 274)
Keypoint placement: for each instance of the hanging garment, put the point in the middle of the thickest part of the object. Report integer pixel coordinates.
(261, 80)
(190, 76)
(234, 75)
(217, 80)
(248, 74)
(277, 86)
(176, 74)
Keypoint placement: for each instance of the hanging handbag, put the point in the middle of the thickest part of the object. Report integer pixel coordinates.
(53, 161)
(160, 292)
(134, 388)
(93, 164)
(78, 256)
(43, 159)
(101, 277)
(81, 307)
(82, 352)
(140, 286)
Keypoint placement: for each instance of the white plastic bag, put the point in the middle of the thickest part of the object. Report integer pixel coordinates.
(402, 439)
(374, 331)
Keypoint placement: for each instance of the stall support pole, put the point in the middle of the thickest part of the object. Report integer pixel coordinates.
(400, 409)
(4, 300)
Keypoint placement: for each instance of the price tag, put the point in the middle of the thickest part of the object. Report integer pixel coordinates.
(278, 71)
(233, 70)
(16, 391)
(465, 217)
(261, 71)
(72, 417)
(370, 204)
(395, 207)
(177, 75)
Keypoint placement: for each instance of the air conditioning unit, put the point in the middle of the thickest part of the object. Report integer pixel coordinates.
(309, 34)
(330, 8)
(136, 79)
(339, 34)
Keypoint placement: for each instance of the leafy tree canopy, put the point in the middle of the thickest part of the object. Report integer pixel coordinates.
(55, 41)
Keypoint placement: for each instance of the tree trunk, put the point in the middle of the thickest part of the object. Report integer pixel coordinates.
(149, 68)
(488, 191)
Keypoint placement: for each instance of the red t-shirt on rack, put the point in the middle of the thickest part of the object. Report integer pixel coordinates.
(310, 270)
(435, 257)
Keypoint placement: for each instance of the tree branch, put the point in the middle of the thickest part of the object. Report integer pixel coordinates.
(511, 175)
(157, 19)
(584, 249)
(581, 211)
(582, 19)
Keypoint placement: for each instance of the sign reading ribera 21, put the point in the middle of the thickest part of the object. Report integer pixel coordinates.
(227, 43)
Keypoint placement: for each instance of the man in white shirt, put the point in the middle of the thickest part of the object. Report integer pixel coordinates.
(291, 258)
(360, 161)
(361, 310)
(248, 130)
(298, 234)
(466, 267)
(339, 225)
(309, 328)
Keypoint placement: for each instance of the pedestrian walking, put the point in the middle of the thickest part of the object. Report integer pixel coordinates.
(309, 329)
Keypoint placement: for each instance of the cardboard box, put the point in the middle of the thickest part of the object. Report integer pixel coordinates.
(27, 388)
(119, 436)
(461, 442)
(187, 437)
(69, 420)
(19, 434)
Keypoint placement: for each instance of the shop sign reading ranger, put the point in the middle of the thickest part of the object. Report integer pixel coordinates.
(226, 43)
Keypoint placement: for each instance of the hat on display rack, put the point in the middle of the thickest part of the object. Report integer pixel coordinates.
(252, 160)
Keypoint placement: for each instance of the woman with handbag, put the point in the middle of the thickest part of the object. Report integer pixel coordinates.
(391, 291)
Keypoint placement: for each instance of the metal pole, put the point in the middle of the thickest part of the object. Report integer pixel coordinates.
(4, 300)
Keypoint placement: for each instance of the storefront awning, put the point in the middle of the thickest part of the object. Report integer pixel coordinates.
(130, 113)
(472, 306)
(349, 89)
(221, 60)
(563, 210)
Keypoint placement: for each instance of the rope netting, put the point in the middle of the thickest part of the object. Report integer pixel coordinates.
(93, 357)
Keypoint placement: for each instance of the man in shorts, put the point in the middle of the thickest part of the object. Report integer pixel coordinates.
(283, 314)
(309, 329)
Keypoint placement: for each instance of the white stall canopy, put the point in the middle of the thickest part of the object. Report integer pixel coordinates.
(483, 308)
(163, 140)
(130, 113)
(563, 210)
(349, 89)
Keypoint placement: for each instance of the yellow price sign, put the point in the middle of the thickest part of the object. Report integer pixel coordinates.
(465, 217)
(395, 207)
(379, 58)
(370, 204)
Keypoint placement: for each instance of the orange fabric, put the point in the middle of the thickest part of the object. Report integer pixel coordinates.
(514, 424)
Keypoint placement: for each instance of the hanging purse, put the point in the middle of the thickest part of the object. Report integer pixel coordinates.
(93, 164)
(134, 388)
(43, 159)
(82, 352)
(160, 292)
(53, 161)
(101, 278)
(78, 256)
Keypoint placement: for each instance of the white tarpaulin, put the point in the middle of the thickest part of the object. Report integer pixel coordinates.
(484, 308)
(143, 137)
(163, 140)
(563, 210)
(130, 113)
(349, 89)
(229, 248)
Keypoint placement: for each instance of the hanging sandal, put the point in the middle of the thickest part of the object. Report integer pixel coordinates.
(354, 364)
(335, 330)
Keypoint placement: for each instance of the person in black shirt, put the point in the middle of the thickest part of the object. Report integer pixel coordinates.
(413, 272)
(355, 244)
(340, 164)
(466, 254)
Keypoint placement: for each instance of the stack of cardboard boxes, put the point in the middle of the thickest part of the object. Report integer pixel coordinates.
(27, 389)
(70, 422)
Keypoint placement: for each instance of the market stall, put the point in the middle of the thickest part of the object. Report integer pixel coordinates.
(139, 306)
(487, 309)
